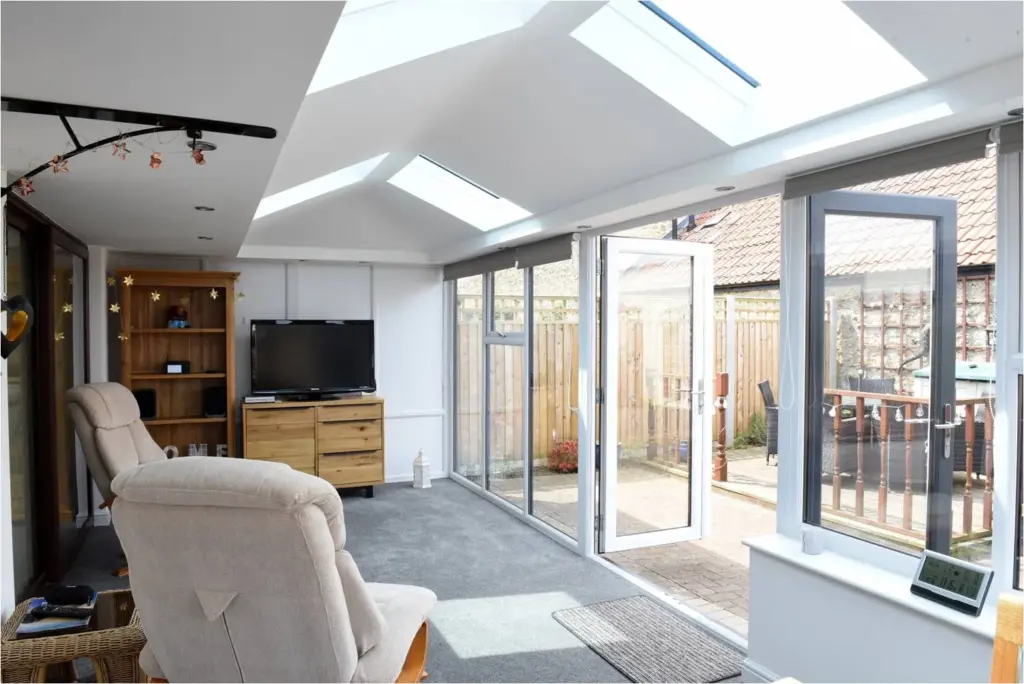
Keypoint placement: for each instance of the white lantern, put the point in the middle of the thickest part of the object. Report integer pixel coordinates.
(421, 472)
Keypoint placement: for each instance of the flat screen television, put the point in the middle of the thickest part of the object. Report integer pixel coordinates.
(301, 357)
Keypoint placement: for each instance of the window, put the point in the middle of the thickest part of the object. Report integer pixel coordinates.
(456, 195)
(671, 21)
(374, 35)
(692, 54)
(336, 180)
(901, 315)
(469, 381)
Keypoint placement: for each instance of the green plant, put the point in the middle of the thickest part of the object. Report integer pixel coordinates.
(756, 433)
(563, 458)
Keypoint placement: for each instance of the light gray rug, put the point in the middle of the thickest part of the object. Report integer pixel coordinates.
(649, 642)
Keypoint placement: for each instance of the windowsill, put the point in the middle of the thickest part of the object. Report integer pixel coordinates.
(886, 585)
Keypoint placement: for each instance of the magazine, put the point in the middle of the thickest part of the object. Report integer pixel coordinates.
(33, 626)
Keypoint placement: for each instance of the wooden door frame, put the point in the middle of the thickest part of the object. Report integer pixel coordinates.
(41, 235)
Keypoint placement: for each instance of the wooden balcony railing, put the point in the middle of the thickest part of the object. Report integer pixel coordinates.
(866, 431)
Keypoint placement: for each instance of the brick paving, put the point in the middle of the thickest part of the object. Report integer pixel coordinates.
(709, 575)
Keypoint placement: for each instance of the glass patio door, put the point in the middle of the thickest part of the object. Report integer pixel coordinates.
(881, 368)
(657, 354)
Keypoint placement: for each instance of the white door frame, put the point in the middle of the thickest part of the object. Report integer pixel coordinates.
(702, 370)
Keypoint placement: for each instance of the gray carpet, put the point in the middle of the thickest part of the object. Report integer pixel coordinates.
(497, 580)
(647, 642)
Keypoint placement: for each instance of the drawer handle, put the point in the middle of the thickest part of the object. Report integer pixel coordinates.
(288, 408)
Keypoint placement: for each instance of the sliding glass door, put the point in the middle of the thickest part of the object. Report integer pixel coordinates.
(20, 381)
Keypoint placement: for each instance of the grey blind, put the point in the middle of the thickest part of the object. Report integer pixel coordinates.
(921, 158)
(1010, 137)
(524, 256)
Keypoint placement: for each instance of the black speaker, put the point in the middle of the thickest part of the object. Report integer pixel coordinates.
(146, 399)
(215, 402)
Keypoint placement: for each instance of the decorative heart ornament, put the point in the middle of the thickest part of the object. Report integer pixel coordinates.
(19, 322)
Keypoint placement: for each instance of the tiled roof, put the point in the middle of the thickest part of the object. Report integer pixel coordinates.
(746, 236)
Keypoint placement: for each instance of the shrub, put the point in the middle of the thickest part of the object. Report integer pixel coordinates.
(755, 435)
(564, 457)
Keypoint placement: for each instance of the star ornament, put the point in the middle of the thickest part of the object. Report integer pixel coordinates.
(129, 281)
(155, 160)
(111, 280)
(154, 296)
(58, 164)
(25, 187)
(121, 150)
(57, 337)
(198, 158)
(68, 308)
(122, 337)
(213, 293)
(115, 308)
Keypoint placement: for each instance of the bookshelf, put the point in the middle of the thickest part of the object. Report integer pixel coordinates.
(208, 345)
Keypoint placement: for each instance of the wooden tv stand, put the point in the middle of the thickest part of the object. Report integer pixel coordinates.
(340, 440)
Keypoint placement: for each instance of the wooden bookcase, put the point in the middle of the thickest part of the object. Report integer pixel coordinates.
(208, 345)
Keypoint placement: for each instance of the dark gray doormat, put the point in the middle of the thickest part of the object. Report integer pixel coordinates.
(649, 642)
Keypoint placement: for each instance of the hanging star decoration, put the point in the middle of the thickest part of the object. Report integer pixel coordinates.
(115, 308)
(58, 164)
(25, 187)
(121, 150)
(154, 296)
(213, 293)
(198, 158)
(57, 337)
(68, 308)
(240, 296)
(122, 337)
(185, 300)
(110, 281)
(155, 160)
(129, 281)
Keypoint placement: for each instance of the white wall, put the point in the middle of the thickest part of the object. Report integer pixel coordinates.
(405, 302)
(815, 629)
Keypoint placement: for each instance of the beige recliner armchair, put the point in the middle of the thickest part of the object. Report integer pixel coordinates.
(113, 437)
(240, 574)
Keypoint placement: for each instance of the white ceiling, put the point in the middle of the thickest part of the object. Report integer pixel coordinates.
(245, 62)
(529, 113)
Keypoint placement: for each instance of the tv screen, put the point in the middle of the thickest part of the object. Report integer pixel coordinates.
(312, 357)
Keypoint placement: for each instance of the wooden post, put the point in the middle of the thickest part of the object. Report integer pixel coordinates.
(860, 457)
(908, 458)
(883, 452)
(837, 426)
(720, 472)
(969, 448)
(986, 512)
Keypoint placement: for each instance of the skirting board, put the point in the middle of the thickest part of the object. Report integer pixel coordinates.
(752, 672)
(409, 478)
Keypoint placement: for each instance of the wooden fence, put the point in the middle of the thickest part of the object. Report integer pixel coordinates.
(654, 409)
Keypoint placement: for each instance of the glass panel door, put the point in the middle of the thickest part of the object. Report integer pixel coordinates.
(20, 381)
(657, 350)
(68, 313)
(882, 416)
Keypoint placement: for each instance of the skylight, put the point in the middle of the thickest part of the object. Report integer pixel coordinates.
(330, 182)
(456, 195)
(667, 17)
(811, 58)
(373, 35)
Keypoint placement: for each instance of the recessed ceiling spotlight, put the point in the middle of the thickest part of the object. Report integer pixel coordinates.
(203, 208)
(1019, 111)
(725, 188)
(205, 237)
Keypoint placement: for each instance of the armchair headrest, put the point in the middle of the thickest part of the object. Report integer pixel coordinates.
(233, 483)
(107, 405)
